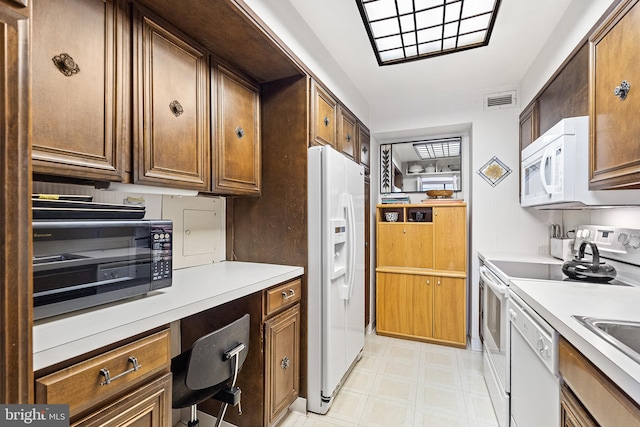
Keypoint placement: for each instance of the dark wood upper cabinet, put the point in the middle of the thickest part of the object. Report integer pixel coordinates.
(324, 113)
(237, 160)
(364, 146)
(171, 107)
(529, 128)
(567, 94)
(615, 129)
(347, 134)
(79, 88)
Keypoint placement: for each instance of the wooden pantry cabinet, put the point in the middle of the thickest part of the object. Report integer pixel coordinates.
(127, 385)
(421, 272)
(237, 159)
(614, 100)
(80, 91)
(171, 107)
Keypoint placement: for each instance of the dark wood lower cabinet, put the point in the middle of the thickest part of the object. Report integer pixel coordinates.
(572, 413)
(270, 376)
(593, 399)
(140, 397)
(282, 365)
(148, 406)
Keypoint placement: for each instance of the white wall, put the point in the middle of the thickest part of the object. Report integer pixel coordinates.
(286, 22)
(575, 24)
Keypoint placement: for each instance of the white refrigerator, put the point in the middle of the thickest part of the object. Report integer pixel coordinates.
(335, 328)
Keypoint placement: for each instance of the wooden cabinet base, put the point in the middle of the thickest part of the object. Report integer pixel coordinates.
(421, 339)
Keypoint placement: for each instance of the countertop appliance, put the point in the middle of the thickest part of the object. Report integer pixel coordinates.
(555, 171)
(619, 247)
(83, 263)
(535, 383)
(335, 329)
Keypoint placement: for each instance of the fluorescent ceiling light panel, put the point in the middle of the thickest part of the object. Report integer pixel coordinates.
(437, 148)
(407, 30)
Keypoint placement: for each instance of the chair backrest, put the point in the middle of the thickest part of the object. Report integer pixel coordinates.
(207, 364)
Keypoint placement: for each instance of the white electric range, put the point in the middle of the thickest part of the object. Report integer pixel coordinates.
(501, 320)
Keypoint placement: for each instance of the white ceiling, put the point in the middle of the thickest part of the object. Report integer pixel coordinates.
(521, 30)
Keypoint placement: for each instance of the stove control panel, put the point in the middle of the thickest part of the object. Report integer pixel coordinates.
(615, 240)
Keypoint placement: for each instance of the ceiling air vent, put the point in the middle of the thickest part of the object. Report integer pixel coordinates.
(497, 101)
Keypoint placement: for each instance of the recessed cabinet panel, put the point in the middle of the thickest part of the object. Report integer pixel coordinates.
(615, 129)
(405, 244)
(79, 57)
(324, 114)
(449, 309)
(238, 157)
(172, 131)
(363, 145)
(282, 348)
(449, 236)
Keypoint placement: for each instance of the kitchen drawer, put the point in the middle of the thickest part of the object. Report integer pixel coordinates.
(282, 296)
(83, 385)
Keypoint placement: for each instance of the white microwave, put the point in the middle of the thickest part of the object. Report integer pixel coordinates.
(555, 171)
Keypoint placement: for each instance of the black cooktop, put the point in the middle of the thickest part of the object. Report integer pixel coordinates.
(530, 270)
(539, 271)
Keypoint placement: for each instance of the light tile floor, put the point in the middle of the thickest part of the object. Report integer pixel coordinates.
(406, 383)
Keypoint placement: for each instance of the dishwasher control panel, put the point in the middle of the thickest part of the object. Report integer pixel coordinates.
(542, 338)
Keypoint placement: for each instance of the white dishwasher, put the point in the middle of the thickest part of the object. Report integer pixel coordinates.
(535, 387)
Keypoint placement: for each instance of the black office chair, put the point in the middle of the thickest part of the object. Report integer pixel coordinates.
(210, 369)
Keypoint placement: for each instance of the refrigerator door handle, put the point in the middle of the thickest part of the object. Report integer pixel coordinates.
(351, 224)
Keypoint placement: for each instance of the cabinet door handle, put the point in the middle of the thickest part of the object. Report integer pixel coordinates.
(108, 378)
(348, 137)
(326, 121)
(438, 282)
(291, 294)
(66, 64)
(365, 149)
(622, 90)
(428, 282)
(285, 362)
(176, 108)
(239, 132)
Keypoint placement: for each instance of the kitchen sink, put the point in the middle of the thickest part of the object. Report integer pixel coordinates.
(623, 335)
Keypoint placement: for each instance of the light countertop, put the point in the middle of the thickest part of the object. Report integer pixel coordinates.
(194, 289)
(556, 302)
(508, 256)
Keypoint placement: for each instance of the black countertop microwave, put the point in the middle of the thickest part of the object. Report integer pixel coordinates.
(83, 263)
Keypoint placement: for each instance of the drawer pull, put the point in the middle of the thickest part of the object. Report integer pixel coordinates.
(284, 364)
(622, 90)
(291, 294)
(108, 378)
(66, 64)
(176, 108)
(239, 132)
